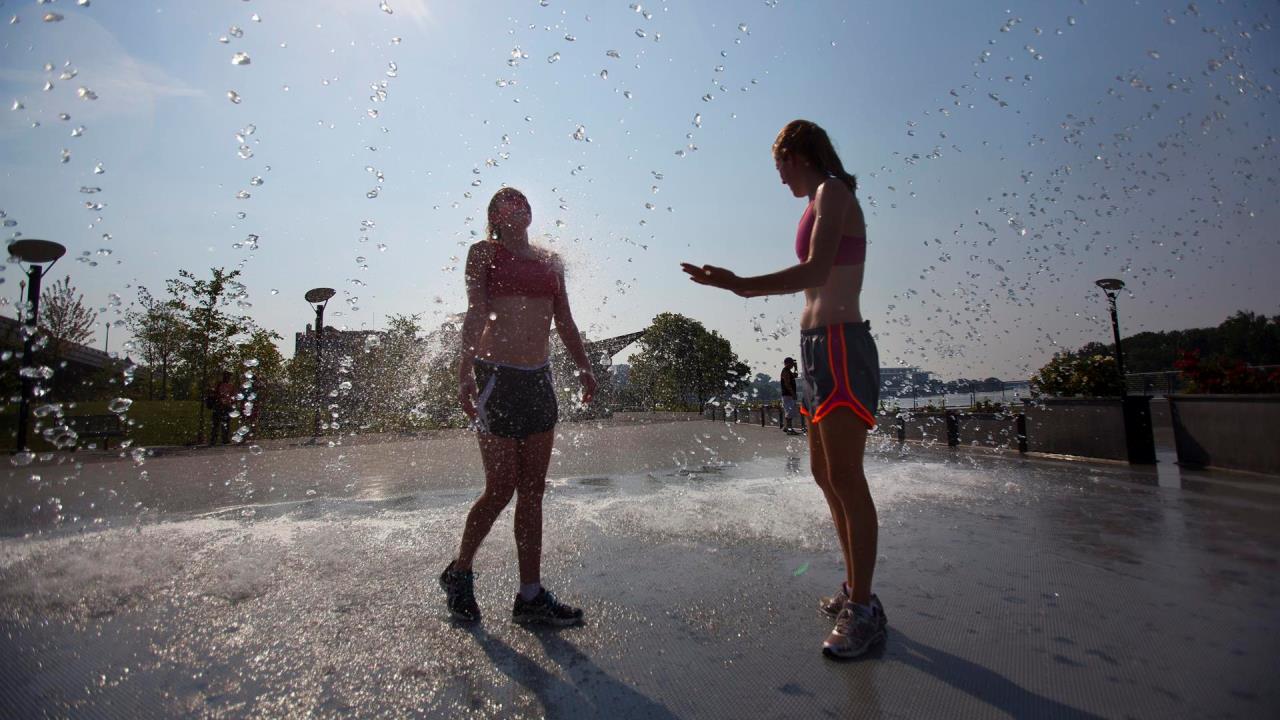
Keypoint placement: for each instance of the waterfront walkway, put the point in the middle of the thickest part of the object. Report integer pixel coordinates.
(300, 581)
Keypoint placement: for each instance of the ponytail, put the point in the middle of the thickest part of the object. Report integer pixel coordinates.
(806, 139)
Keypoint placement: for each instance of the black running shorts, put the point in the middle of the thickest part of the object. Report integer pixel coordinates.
(514, 402)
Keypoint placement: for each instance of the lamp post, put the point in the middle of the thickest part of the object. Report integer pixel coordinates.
(319, 298)
(1111, 286)
(1136, 409)
(36, 253)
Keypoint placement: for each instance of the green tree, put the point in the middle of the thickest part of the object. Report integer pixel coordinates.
(158, 337)
(64, 317)
(1082, 373)
(210, 330)
(681, 365)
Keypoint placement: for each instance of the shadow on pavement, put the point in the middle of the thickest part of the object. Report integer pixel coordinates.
(982, 683)
(588, 691)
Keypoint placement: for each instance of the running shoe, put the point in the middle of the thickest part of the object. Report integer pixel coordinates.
(459, 588)
(858, 629)
(831, 606)
(545, 609)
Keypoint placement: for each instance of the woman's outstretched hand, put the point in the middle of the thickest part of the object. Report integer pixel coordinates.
(711, 275)
(588, 380)
(467, 395)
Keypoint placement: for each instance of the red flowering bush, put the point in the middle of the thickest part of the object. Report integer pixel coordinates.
(1221, 375)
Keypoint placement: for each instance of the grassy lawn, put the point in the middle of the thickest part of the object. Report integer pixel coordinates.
(148, 422)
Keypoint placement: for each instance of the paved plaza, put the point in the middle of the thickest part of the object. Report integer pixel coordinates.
(300, 581)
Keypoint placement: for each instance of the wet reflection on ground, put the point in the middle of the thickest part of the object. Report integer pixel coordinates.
(1027, 588)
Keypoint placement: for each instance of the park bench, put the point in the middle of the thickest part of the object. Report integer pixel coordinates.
(97, 426)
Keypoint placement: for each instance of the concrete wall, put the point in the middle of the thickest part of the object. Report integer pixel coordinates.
(1239, 432)
(1088, 427)
(993, 430)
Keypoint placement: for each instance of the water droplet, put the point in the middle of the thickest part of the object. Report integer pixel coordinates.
(570, 38)
(626, 94)
(255, 180)
(64, 116)
(604, 74)
(235, 31)
(120, 406)
(89, 190)
(640, 32)
(612, 54)
(395, 40)
(17, 105)
(742, 27)
(233, 96)
(392, 70)
(697, 119)
(580, 133)
(372, 194)
(48, 85)
(240, 59)
(493, 316)
(384, 7)
(1155, 55)
(52, 17)
(245, 152)
(86, 94)
(242, 195)
(554, 57)
(78, 131)
(98, 169)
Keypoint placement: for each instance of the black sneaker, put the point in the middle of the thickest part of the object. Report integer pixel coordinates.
(546, 610)
(459, 587)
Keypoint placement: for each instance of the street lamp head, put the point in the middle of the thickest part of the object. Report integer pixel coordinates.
(1110, 284)
(319, 295)
(36, 251)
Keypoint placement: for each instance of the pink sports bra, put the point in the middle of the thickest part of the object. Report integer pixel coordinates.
(853, 248)
(512, 274)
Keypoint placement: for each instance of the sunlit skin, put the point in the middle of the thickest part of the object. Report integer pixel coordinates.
(512, 330)
(837, 443)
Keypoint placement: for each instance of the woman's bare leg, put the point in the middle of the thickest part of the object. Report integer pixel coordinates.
(818, 464)
(844, 441)
(501, 474)
(535, 456)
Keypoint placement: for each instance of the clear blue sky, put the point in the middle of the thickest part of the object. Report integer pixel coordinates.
(1126, 140)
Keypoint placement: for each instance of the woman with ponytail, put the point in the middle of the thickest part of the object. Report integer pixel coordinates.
(515, 290)
(840, 380)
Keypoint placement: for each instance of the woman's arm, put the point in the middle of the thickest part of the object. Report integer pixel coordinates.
(479, 258)
(831, 207)
(568, 331)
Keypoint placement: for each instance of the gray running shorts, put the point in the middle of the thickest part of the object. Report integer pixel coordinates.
(840, 367)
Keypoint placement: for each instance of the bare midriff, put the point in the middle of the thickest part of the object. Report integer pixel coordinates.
(836, 301)
(518, 331)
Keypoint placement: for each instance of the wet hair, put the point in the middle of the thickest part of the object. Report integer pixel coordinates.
(491, 230)
(806, 139)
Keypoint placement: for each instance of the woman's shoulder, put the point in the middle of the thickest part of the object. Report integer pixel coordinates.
(482, 249)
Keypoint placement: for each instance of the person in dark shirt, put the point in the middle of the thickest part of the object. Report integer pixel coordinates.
(789, 395)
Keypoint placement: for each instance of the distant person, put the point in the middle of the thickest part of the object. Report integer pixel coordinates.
(788, 380)
(840, 364)
(514, 292)
(222, 399)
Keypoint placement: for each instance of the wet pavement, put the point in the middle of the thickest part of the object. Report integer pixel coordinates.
(300, 581)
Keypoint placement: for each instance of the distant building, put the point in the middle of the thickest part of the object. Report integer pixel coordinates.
(77, 356)
(349, 341)
(895, 381)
